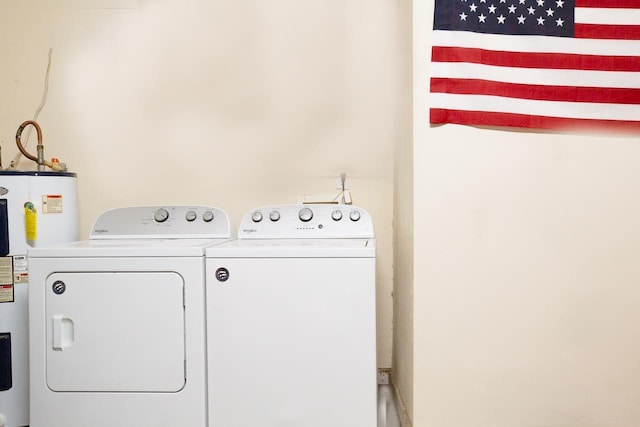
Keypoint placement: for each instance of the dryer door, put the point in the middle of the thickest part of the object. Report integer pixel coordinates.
(115, 332)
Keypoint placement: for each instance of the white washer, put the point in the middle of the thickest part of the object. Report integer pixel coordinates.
(117, 323)
(291, 320)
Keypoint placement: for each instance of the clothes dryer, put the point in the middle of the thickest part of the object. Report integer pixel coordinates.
(117, 322)
(291, 320)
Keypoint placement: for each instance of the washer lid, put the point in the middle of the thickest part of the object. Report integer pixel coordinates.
(294, 248)
(127, 248)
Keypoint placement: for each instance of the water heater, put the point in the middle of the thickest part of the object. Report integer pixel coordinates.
(36, 209)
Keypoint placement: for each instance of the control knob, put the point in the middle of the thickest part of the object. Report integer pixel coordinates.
(354, 215)
(191, 216)
(161, 215)
(274, 216)
(207, 216)
(256, 216)
(336, 215)
(305, 214)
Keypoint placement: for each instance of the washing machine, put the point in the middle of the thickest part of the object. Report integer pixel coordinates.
(291, 320)
(117, 322)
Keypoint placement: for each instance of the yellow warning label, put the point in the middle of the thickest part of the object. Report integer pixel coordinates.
(30, 221)
(52, 203)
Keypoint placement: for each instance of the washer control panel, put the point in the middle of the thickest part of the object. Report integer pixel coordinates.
(162, 222)
(316, 221)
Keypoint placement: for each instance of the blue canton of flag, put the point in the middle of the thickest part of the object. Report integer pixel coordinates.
(515, 17)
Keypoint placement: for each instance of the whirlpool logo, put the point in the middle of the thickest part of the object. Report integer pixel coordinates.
(101, 230)
(249, 230)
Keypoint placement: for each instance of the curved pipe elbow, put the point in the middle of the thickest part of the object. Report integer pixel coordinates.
(19, 142)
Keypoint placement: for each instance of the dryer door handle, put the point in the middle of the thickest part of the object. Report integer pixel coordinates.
(62, 332)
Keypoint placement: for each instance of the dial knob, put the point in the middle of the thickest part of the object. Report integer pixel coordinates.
(336, 215)
(274, 216)
(190, 216)
(257, 216)
(354, 215)
(207, 216)
(161, 215)
(305, 214)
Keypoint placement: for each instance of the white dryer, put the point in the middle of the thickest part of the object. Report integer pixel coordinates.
(117, 323)
(291, 320)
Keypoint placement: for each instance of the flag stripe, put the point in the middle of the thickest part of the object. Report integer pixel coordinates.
(575, 110)
(624, 4)
(537, 77)
(535, 60)
(439, 115)
(610, 32)
(536, 43)
(537, 92)
(607, 16)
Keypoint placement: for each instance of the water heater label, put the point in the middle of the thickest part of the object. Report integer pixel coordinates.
(52, 203)
(6, 293)
(20, 269)
(6, 279)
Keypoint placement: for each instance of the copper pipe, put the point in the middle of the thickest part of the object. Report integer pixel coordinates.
(19, 133)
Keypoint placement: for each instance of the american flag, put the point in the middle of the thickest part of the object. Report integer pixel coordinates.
(546, 64)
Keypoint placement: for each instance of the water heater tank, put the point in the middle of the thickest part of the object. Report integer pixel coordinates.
(36, 209)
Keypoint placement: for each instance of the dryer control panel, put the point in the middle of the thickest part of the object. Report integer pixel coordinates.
(315, 221)
(166, 222)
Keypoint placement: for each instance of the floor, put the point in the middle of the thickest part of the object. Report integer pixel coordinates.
(387, 412)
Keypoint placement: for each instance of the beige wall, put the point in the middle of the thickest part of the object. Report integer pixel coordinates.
(526, 274)
(402, 366)
(232, 103)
